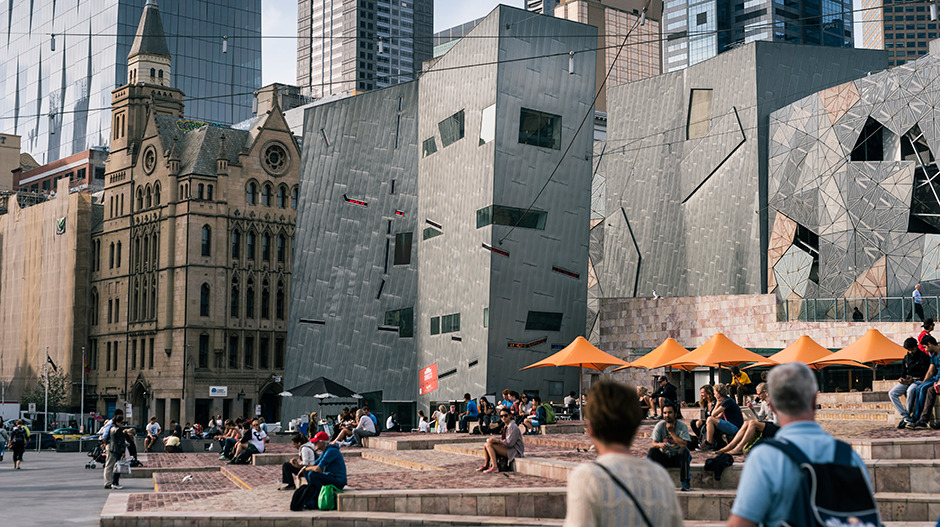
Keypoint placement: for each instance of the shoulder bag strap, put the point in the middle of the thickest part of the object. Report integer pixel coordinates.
(629, 494)
(792, 451)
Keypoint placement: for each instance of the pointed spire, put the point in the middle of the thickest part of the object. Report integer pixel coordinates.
(175, 151)
(150, 38)
(221, 154)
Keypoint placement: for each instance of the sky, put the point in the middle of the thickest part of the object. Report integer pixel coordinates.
(279, 18)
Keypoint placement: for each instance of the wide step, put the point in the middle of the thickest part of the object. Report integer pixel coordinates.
(547, 502)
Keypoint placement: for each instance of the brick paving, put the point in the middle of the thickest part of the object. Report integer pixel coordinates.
(177, 501)
(434, 458)
(198, 481)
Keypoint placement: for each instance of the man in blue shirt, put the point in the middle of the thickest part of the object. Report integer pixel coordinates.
(329, 468)
(918, 302)
(472, 414)
(770, 480)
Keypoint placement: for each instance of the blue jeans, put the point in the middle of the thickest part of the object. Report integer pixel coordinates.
(895, 396)
(727, 427)
(921, 393)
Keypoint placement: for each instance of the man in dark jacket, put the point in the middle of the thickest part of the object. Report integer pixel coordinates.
(913, 371)
(117, 444)
(665, 395)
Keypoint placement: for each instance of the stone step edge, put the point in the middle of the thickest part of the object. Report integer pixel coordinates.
(147, 472)
(397, 462)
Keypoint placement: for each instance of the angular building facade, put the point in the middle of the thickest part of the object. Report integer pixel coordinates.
(687, 178)
(852, 196)
(447, 248)
(358, 45)
(696, 30)
(60, 59)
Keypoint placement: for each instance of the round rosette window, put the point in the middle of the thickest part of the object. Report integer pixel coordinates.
(150, 159)
(275, 159)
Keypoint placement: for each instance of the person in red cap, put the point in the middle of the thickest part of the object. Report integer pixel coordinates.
(307, 457)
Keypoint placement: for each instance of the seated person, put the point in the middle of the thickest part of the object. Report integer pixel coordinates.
(913, 370)
(665, 394)
(725, 419)
(532, 423)
(470, 415)
(346, 421)
(670, 444)
(153, 432)
(171, 444)
(508, 446)
(707, 404)
(365, 428)
(228, 439)
(646, 404)
(244, 441)
(571, 401)
(766, 424)
(740, 384)
(306, 456)
(329, 469)
(391, 424)
(926, 414)
(487, 415)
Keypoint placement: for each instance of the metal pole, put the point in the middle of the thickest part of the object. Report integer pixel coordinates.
(45, 425)
(81, 415)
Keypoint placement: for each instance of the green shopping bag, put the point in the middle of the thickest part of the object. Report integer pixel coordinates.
(327, 499)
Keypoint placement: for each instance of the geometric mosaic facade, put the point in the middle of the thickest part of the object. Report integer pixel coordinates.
(853, 188)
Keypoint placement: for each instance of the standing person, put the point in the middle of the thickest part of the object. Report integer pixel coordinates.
(665, 394)
(726, 418)
(618, 489)
(670, 445)
(918, 302)
(509, 445)
(329, 469)
(18, 438)
(913, 370)
(740, 383)
(153, 433)
(440, 418)
(4, 439)
(306, 457)
(471, 414)
(770, 481)
(115, 451)
(857, 316)
(932, 376)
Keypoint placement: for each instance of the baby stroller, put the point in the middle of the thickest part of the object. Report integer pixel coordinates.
(97, 456)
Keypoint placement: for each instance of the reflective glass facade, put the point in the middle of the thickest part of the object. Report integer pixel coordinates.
(59, 100)
(696, 30)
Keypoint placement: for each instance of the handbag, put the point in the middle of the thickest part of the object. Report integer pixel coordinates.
(122, 467)
(327, 499)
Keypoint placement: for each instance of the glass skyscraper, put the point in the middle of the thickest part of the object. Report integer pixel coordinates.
(904, 29)
(347, 45)
(696, 30)
(55, 92)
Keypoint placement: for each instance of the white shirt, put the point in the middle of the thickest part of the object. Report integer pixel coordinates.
(257, 439)
(308, 454)
(424, 425)
(366, 423)
(154, 428)
(389, 423)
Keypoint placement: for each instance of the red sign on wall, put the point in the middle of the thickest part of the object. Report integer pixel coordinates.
(427, 382)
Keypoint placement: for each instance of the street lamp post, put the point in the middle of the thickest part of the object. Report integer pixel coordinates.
(45, 418)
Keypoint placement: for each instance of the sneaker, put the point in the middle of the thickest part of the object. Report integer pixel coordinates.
(934, 425)
(902, 423)
(107, 485)
(919, 425)
(685, 486)
(910, 425)
(117, 487)
(223, 457)
(706, 446)
(287, 487)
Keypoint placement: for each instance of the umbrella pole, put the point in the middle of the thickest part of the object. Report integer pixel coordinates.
(580, 391)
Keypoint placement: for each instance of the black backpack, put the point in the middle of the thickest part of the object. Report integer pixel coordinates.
(833, 494)
(19, 434)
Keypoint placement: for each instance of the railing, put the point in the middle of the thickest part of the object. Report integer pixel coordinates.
(871, 309)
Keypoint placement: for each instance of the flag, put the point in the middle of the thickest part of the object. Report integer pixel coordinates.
(85, 365)
(49, 360)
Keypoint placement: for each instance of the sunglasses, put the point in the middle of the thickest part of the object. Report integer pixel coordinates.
(501, 416)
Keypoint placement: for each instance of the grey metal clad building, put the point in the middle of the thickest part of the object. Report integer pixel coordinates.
(348, 45)
(406, 254)
(503, 251)
(687, 178)
(354, 251)
(58, 98)
(696, 30)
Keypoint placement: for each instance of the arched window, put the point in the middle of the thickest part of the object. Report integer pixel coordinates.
(93, 315)
(250, 300)
(160, 74)
(265, 301)
(154, 242)
(282, 196)
(137, 257)
(234, 300)
(153, 307)
(209, 192)
(266, 247)
(266, 196)
(153, 72)
(200, 191)
(293, 200)
(236, 243)
(149, 199)
(281, 248)
(279, 301)
(206, 241)
(111, 257)
(146, 256)
(204, 300)
(251, 193)
(118, 257)
(140, 198)
(156, 194)
(136, 300)
(142, 312)
(250, 245)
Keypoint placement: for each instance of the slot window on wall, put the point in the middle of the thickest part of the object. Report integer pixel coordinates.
(511, 216)
(539, 129)
(404, 319)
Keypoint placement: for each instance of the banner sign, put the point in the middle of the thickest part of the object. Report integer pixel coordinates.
(427, 382)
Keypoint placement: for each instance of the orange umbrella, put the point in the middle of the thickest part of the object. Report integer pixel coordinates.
(717, 352)
(667, 351)
(872, 347)
(582, 354)
(805, 350)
